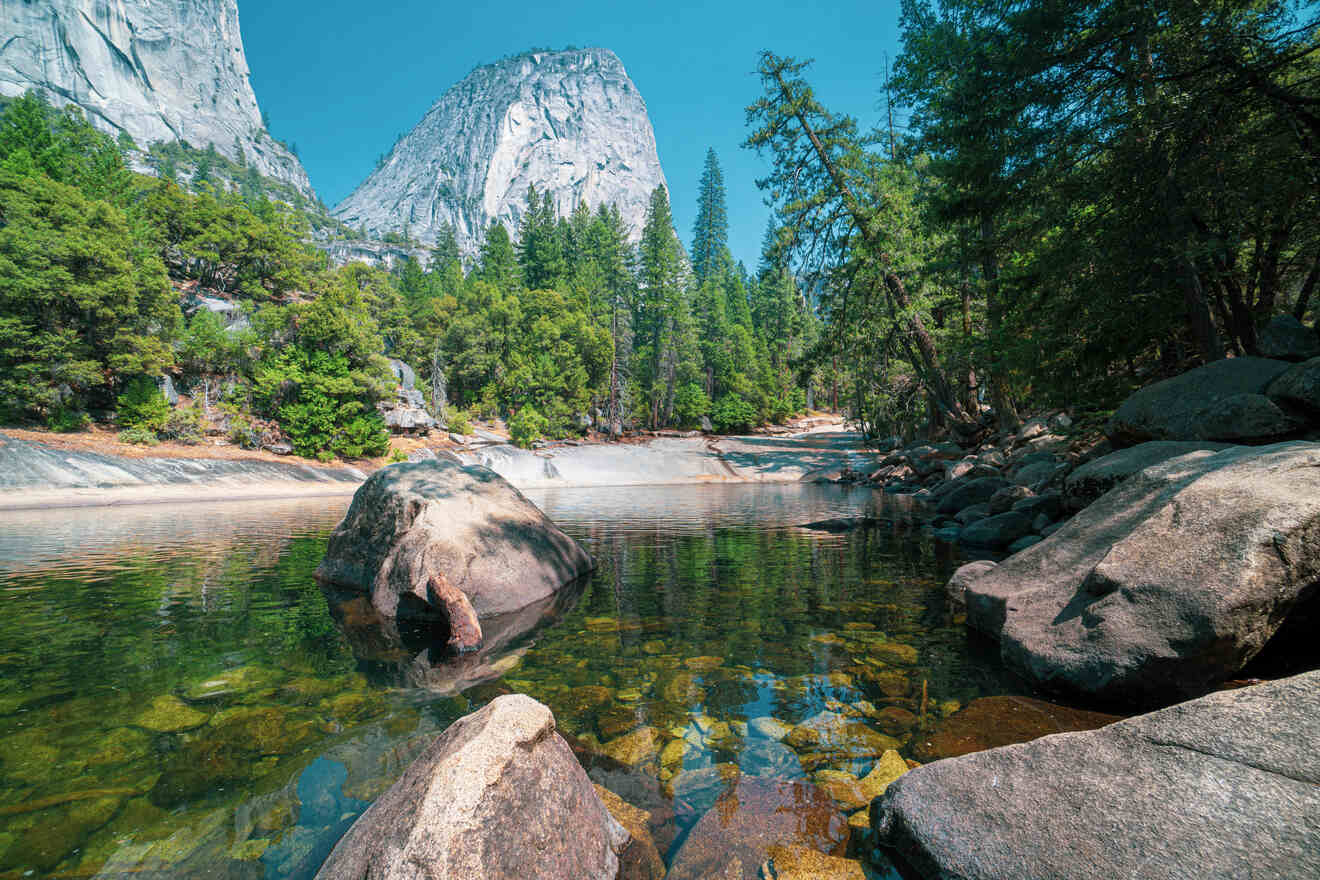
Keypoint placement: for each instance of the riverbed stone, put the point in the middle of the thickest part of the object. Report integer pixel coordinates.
(969, 493)
(1171, 582)
(768, 727)
(992, 722)
(498, 796)
(168, 714)
(422, 531)
(1181, 408)
(733, 838)
(843, 788)
(1224, 786)
(635, 748)
(800, 863)
(998, 531)
(640, 859)
(885, 772)
(232, 684)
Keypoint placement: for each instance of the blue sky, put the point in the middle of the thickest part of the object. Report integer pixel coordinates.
(342, 79)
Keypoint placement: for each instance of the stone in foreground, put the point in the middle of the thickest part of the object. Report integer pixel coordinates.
(1224, 786)
(434, 539)
(499, 796)
(1169, 583)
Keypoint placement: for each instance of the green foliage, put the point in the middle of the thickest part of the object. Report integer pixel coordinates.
(184, 425)
(323, 406)
(140, 435)
(142, 405)
(242, 432)
(458, 421)
(63, 420)
(690, 404)
(526, 427)
(398, 456)
(732, 414)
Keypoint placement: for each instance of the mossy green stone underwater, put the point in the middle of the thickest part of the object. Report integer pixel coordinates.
(177, 696)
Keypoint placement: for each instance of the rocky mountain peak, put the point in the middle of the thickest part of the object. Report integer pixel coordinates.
(160, 71)
(571, 123)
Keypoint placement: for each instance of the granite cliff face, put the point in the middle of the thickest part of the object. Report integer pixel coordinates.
(571, 123)
(161, 71)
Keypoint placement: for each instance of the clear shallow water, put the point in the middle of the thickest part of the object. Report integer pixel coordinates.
(178, 697)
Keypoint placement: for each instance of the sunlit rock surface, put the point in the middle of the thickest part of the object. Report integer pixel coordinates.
(159, 71)
(571, 122)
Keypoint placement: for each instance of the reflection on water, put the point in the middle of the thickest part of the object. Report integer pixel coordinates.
(178, 698)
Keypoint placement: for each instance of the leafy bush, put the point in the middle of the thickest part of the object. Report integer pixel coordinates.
(242, 432)
(397, 456)
(526, 427)
(731, 414)
(139, 435)
(690, 404)
(183, 426)
(142, 405)
(321, 404)
(68, 421)
(458, 421)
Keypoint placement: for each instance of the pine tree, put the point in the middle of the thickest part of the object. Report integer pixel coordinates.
(498, 262)
(661, 308)
(710, 234)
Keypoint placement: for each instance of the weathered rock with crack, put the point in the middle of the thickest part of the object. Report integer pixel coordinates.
(498, 796)
(1169, 583)
(1224, 786)
(439, 540)
(1196, 405)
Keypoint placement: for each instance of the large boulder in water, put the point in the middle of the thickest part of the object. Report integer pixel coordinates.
(1224, 786)
(434, 539)
(1166, 585)
(498, 796)
(1223, 401)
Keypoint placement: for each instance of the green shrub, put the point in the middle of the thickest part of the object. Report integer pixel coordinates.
(242, 432)
(526, 427)
(397, 456)
(363, 437)
(690, 404)
(183, 426)
(139, 435)
(458, 421)
(731, 414)
(324, 407)
(142, 405)
(68, 421)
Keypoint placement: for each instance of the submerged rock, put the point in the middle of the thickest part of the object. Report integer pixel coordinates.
(1169, 583)
(438, 541)
(991, 722)
(1224, 786)
(498, 795)
(169, 714)
(733, 839)
(640, 860)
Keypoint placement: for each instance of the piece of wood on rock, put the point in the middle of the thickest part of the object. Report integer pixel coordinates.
(498, 796)
(1168, 584)
(457, 545)
(1224, 786)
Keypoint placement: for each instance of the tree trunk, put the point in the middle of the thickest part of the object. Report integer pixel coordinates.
(1005, 411)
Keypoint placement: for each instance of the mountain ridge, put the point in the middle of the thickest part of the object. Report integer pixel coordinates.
(571, 122)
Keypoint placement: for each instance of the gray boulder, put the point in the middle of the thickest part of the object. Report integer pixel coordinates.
(1036, 473)
(1004, 500)
(1095, 478)
(1171, 582)
(1050, 504)
(971, 514)
(969, 493)
(998, 531)
(1288, 339)
(1299, 387)
(403, 374)
(498, 796)
(434, 539)
(1224, 786)
(1193, 406)
(1248, 418)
